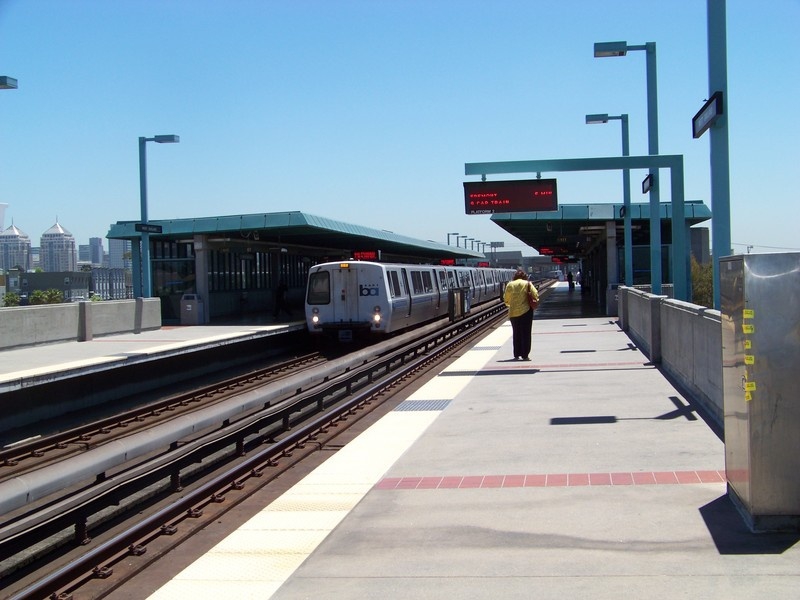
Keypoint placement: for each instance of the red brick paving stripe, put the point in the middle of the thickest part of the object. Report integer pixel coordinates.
(535, 480)
(578, 479)
(514, 481)
(471, 481)
(451, 482)
(552, 480)
(621, 478)
(600, 479)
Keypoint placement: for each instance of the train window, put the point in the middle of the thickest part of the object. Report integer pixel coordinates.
(394, 284)
(319, 288)
(451, 279)
(416, 282)
(427, 282)
(443, 280)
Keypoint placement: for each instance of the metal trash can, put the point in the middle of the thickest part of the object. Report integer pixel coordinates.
(191, 310)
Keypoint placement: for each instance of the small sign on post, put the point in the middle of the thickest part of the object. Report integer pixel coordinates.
(147, 228)
(708, 115)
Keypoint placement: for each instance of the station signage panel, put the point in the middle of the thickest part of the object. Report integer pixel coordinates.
(527, 195)
(447, 262)
(366, 255)
(147, 228)
(708, 115)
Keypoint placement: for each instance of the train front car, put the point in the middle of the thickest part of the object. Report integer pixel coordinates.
(347, 298)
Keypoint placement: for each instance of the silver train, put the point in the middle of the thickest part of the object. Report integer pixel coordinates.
(354, 297)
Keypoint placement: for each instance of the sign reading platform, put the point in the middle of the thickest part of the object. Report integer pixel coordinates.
(147, 228)
(527, 195)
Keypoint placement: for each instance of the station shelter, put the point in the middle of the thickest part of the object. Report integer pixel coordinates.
(233, 264)
(589, 239)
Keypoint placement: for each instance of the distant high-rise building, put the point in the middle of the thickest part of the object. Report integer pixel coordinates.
(58, 250)
(3, 208)
(15, 250)
(84, 253)
(119, 254)
(96, 252)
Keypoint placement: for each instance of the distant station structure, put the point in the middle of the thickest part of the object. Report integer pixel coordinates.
(233, 264)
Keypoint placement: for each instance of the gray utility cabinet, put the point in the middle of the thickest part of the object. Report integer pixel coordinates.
(760, 311)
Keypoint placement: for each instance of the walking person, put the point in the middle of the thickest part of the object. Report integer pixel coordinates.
(518, 295)
(280, 301)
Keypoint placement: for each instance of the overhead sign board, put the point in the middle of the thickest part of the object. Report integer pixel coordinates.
(366, 255)
(708, 115)
(527, 195)
(147, 228)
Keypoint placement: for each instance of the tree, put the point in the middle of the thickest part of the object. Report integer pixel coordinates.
(53, 296)
(37, 297)
(702, 284)
(10, 299)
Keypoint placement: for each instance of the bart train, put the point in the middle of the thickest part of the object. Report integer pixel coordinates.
(354, 297)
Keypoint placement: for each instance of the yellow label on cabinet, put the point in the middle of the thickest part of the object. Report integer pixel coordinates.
(748, 396)
(750, 386)
(749, 359)
(748, 328)
(748, 345)
(749, 313)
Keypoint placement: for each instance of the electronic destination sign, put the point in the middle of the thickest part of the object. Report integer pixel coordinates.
(527, 195)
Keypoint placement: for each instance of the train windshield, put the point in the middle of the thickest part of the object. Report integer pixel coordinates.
(319, 288)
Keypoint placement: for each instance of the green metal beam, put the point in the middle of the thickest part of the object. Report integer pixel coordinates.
(673, 162)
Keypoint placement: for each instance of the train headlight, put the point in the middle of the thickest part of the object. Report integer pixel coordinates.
(376, 316)
(315, 316)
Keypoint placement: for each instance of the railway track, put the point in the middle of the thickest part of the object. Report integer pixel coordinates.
(196, 477)
(30, 455)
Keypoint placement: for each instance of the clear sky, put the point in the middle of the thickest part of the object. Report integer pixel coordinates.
(365, 111)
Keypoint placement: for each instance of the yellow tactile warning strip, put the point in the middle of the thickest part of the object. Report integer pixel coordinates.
(255, 560)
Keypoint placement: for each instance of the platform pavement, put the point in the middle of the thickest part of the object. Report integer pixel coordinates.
(26, 365)
(580, 474)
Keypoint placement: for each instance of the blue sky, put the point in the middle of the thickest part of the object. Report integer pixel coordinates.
(365, 111)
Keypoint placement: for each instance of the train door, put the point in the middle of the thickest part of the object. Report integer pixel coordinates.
(344, 289)
(406, 284)
(440, 287)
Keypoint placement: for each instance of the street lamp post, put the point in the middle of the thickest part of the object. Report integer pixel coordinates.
(626, 188)
(448, 238)
(461, 237)
(145, 252)
(604, 49)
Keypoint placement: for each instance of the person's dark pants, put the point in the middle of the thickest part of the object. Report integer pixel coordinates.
(521, 328)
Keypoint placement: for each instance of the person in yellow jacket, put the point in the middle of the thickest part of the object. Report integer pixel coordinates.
(520, 313)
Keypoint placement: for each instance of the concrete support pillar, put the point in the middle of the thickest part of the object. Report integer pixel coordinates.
(84, 321)
(655, 328)
(201, 274)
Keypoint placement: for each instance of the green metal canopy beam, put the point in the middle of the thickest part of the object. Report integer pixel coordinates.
(673, 162)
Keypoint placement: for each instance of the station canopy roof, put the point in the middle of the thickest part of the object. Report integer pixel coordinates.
(295, 229)
(575, 229)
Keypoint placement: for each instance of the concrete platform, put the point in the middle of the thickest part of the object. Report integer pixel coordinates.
(28, 366)
(580, 474)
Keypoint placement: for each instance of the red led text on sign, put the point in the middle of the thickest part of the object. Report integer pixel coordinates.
(486, 197)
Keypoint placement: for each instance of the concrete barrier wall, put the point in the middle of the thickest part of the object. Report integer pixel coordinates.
(684, 339)
(76, 321)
